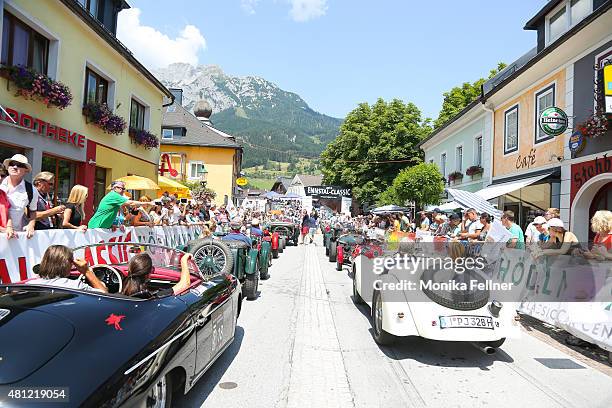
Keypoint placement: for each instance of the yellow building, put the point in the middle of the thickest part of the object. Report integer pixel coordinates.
(73, 42)
(193, 150)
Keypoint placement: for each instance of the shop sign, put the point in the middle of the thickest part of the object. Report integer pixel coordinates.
(166, 166)
(332, 192)
(242, 181)
(583, 172)
(577, 141)
(44, 129)
(527, 161)
(553, 121)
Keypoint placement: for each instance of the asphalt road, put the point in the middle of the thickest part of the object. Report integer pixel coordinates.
(304, 343)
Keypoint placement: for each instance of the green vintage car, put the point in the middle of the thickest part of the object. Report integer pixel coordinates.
(214, 256)
(288, 232)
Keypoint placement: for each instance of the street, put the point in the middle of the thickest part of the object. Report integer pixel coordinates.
(304, 343)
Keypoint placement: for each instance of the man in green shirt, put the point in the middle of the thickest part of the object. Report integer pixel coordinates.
(110, 205)
(518, 238)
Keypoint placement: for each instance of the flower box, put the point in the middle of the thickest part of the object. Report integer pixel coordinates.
(455, 176)
(100, 115)
(144, 138)
(36, 86)
(474, 170)
(595, 125)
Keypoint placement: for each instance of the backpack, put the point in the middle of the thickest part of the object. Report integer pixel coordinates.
(30, 192)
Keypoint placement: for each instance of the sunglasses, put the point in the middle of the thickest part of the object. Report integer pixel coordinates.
(120, 188)
(17, 164)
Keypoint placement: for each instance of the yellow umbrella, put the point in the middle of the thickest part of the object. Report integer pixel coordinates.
(138, 183)
(173, 187)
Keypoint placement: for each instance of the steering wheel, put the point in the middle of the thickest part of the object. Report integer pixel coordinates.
(112, 278)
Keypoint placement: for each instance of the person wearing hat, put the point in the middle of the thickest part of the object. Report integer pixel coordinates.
(562, 241)
(255, 230)
(235, 234)
(541, 227)
(110, 206)
(21, 195)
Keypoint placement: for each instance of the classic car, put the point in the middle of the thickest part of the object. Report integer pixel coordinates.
(399, 310)
(108, 350)
(234, 257)
(287, 230)
(331, 235)
(343, 248)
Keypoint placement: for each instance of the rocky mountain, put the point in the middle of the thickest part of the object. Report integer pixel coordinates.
(270, 122)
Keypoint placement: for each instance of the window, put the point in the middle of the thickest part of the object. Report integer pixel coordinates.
(196, 169)
(459, 158)
(23, 46)
(544, 99)
(167, 134)
(443, 164)
(569, 13)
(511, 130)
(478, 151)
(96, 88)
(137, 115)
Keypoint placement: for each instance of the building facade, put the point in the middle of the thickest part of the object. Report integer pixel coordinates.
(193, 150)
(73, 42)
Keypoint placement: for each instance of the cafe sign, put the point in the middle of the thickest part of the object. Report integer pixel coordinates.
(553, 121)
(332, 192)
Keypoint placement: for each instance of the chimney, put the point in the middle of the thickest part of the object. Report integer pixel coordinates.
(202, 110)
(178, 95)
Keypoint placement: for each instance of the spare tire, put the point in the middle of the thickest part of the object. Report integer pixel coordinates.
(212, 256)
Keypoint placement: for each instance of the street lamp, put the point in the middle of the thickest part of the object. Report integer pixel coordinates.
(203, 178)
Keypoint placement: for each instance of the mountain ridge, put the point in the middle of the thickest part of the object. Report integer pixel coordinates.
(274, 124)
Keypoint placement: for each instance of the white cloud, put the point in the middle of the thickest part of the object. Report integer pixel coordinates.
(249, 5)
(304, 10)
(154, 48)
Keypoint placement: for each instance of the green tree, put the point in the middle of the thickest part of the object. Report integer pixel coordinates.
(421, 183)
(383, 132)
(461, 96)
(291, 168)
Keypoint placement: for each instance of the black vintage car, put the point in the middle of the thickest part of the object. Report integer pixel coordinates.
(343, 247)
(108, 350)
(287, 230)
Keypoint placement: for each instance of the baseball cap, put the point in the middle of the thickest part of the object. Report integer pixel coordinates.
(539, 220)
(556, 222)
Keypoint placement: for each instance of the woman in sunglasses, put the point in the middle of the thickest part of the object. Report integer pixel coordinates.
(139, 274)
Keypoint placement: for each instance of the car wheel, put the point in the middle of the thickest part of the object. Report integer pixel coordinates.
(264, 272)
(338, 266)
(160, 395)
(212, 256)
(333, 252)
(275, 253)
(327, 248)
(380, 335)
(357, 299)
(497, 343)
(250, 286)
(282, 243)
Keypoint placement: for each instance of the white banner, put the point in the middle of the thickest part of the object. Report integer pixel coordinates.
(19, 255)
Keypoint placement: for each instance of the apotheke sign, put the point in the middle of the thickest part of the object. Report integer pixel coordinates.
(44, 129)
(327, 191)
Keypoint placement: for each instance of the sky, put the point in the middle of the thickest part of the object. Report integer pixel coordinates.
(336, 54)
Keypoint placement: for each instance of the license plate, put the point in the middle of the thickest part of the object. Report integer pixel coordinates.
(476, 322)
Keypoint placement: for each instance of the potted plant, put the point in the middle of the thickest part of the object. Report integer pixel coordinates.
(474, 170)
(597, 124)
(36, 86)
(100, 115)
(455, 176)
(143, 138)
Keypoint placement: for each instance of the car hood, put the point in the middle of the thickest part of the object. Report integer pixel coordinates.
(26, 344)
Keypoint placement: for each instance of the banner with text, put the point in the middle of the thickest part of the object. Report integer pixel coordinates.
(19, 255)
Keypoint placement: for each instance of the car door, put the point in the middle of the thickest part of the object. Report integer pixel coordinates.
(211, 309)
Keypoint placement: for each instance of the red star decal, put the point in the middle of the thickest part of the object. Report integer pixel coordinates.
(114, 319)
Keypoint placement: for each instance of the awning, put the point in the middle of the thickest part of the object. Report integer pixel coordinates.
(450, 206)
(496, 190)
(472, 200)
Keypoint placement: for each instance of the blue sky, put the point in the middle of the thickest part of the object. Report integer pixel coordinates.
(337, 53)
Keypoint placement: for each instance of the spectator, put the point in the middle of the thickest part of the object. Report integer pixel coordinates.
(472, 225)
(531, 232)
(55, 267)
(405, 223)
(539, 224)
(310, 223)
(424, 221)
(518, 239)
(46, 214)
(452, 227)
(21, 195)
(110, 206)
(174, 211)
(74, 214)
(601, 225)
(485, 220)
(561, 242)
(141, 214)
(552, 213)
(156, 213)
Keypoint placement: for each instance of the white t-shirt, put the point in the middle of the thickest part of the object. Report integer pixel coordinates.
(532, 234)
(175, 215)
(18, 198)
(475, 225)
(64, 283)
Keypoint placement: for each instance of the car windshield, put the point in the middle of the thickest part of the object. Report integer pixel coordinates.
(120, 253)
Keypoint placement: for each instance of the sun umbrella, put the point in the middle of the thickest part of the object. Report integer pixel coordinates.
(290, 196)
(138, 183)
(173, 187)
(271, 195)
(387, 209)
